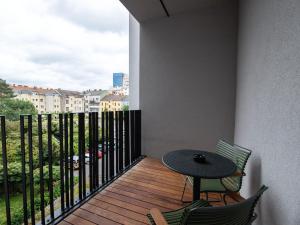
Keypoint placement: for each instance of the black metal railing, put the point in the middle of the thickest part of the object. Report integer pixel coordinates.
(65, 159)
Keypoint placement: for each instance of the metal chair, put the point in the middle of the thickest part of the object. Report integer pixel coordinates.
(200, 213)
(227, 185)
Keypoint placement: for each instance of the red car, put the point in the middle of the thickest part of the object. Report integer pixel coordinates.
(87, 156)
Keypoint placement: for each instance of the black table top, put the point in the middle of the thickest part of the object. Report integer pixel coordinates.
(216, 166)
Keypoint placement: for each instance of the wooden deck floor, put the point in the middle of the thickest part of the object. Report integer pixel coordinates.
(147, 185)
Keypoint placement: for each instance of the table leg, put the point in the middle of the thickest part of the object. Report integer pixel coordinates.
(196, 188)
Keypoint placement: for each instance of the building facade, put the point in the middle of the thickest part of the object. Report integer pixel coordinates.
(118, 79)
(113, 102)
(72, 101)
(50, 100)
(92, 100)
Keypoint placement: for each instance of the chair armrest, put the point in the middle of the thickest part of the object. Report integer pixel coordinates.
(157, 216)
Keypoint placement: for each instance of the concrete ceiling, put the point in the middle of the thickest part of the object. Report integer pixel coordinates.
(144, 10)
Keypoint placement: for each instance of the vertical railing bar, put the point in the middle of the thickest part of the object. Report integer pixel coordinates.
(31, 183)
(71, 158)
(81, 164)
(49, 128)
(106, 146)
(95, 150)
(97, 147)
(66, 153)
(41, 166)
(103, 150)
(61, 145)
(111, 145)
(91, 149)
(126, 127)
(83, 153)
(138, 118)
(5, 171)
(132, 136)
(24, 189)
(121, 146)
(117, 140)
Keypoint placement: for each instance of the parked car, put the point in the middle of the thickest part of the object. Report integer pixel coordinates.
(75, 162)
(87, 156)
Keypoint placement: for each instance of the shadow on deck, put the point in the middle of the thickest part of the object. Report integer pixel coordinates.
(147, 185)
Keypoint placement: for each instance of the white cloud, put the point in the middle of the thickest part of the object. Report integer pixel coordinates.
(72, 44)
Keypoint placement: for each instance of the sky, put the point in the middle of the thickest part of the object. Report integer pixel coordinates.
(69, 44)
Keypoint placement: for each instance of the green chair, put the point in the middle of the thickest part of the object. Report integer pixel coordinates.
(227, 185)
(200, 213)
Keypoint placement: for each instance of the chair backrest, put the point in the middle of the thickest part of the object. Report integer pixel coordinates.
(238, 214)
(239, 156)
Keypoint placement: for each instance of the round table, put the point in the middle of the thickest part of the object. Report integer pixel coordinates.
(214, 167)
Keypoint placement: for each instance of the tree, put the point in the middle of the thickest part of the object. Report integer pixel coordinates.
(12, 108)
(125, 107)
(5, 90)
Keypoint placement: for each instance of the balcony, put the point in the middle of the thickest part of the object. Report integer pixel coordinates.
(199, 71)
(107, 182)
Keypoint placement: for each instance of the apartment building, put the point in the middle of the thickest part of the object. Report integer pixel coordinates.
(72, 101)
(54, 102)
(34, 95)
(47, 100)
(113, 102)
(92, 99)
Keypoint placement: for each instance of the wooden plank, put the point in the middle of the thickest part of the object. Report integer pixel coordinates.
(157, 171)
(155, 182)
(159, 179)
(122, 204)
(133, 201)
(151, 190)
(103, 213)
(73, 219)
(122, 211)
(140, 172)
(64, 223)
(93, 217)
(147, 194)
(153, 186)
(154, 201)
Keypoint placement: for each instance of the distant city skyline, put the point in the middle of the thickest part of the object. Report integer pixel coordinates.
(72, 44)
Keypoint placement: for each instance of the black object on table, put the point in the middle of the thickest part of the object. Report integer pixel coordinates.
(187, 162)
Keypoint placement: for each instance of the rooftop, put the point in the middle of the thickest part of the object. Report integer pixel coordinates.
(114, 98)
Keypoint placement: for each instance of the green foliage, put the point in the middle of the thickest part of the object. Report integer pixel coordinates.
(12, 108)
(14, 171)
(125, 107)
(17, 216)
(5, 90)
(55, 174)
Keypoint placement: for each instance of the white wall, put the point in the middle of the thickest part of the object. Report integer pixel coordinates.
(268, 105)
(187, 79)
(134, 63)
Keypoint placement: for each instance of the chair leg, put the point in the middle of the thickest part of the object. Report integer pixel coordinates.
(184, 188)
